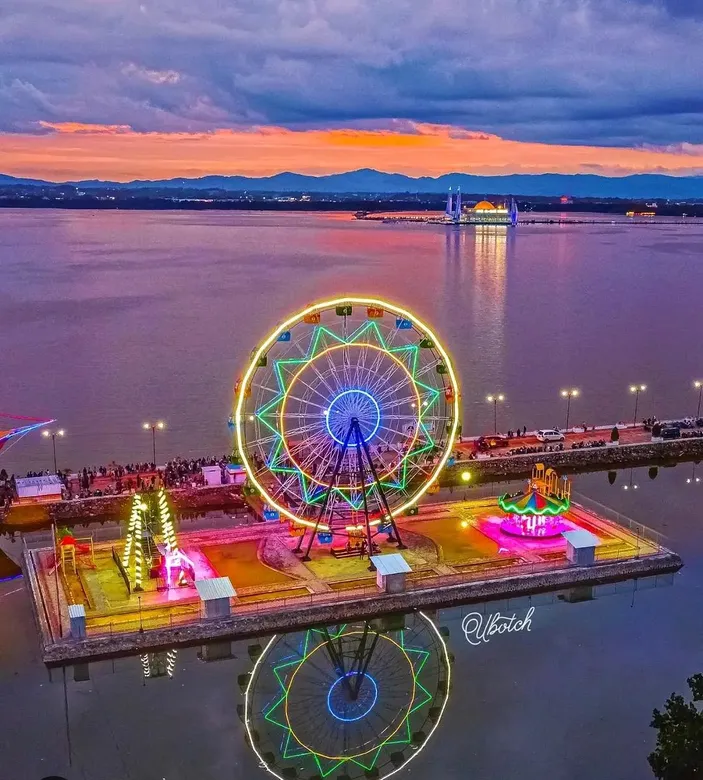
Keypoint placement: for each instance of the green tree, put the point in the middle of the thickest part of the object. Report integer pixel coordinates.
(679, 751)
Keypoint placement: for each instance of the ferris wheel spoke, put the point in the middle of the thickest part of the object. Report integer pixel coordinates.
(332, 384)
(379, 378)
(315, 425)
(312, 389)
(321, 452)
(391, 391)
(427, 368)
(396, 401)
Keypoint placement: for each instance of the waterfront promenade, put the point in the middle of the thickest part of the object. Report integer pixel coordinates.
(577, 453)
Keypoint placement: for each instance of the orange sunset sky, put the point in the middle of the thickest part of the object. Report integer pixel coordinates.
(66, 151)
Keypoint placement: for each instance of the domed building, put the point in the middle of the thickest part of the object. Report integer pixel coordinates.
(483, 213)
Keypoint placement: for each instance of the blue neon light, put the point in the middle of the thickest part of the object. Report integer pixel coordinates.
(366, 711)
(354, 409)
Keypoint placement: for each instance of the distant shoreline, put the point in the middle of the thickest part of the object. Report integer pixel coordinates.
(331, 204)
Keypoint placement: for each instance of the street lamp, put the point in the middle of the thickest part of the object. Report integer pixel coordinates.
(160, 425)
(569, 394)
(698, 384)
(493, 399)
(636, 390)
(53, 434)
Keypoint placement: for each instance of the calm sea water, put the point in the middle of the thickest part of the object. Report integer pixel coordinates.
(570, 700)
(109, 319)
(112, 318)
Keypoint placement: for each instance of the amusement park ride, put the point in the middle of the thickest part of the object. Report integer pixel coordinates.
(537, 512)
(152, 546)
(344, 418)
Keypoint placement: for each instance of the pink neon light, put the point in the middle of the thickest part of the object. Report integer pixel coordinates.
(180, 561)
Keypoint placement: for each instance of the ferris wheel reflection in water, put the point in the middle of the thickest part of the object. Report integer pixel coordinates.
(359, 700)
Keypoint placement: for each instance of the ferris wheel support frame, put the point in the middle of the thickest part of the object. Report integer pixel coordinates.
(361, 446)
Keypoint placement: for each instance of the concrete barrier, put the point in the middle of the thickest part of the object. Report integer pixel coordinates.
(582, 459)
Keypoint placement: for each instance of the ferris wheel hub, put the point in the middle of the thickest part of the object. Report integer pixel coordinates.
(348, 704)
(350, 406)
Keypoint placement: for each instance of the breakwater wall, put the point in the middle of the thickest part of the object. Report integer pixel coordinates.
(191, 502)
(615, 456)
(187, 502)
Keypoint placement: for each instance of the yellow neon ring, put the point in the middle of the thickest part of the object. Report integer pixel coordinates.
(300, 371)
(374, 747)
(287, 325)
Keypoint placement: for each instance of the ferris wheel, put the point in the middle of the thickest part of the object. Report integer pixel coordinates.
(345, 416)
(358, 700)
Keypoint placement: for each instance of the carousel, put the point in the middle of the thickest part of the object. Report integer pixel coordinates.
(537, 512)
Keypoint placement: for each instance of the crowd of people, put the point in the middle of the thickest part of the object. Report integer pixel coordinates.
(115, 479)
(536, 449)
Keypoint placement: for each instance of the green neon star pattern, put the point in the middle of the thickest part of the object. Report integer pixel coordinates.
(304, 718)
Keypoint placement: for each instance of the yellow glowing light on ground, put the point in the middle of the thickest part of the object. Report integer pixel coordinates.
(466, 476)
(271, 339)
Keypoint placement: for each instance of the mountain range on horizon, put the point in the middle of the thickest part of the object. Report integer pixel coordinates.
(369, 181)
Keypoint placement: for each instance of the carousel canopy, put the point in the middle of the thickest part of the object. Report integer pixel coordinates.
(533, 503)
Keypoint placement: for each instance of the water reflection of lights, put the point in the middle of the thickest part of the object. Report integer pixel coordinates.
(360, 700)
(161, 664)
(693, 479)
(631, 485)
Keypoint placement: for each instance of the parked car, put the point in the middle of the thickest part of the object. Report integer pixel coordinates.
(671, 432)
(550, 434)
(492, 442)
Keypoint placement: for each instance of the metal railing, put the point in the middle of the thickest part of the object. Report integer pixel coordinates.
(638, 530)
(191, 613)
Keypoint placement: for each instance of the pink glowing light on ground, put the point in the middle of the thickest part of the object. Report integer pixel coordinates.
(490, 526)
(534, 526)
(184, 568)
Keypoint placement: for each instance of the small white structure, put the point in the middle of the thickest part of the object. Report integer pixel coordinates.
(215, 595)
(236, 475)
(76, 619)
(581, 547)
(390, 572)
(45, 488)
(212, 475)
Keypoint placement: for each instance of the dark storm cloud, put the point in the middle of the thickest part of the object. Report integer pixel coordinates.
(564, 71)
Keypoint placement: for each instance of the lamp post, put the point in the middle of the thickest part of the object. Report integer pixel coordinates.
(53, 434)
(636, 390)
(160, 425)
(465, 478)
(493, 399)
(698, 384)
(569, 394)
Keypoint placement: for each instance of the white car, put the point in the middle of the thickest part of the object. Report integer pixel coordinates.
(549, 434)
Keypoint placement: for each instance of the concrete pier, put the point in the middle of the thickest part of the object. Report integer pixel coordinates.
(249, 623)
